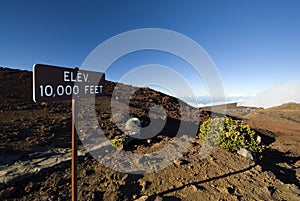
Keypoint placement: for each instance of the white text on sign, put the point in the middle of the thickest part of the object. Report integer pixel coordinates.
(70, 77)
(52, 83)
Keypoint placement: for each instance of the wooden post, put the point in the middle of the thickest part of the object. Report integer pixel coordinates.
(74, 151)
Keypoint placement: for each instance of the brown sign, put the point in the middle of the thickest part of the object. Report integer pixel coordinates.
(52, 83)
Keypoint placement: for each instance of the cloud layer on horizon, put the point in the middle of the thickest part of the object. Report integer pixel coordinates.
(274, 96)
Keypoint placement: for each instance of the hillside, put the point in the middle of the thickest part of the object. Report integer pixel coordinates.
(35, 141)
(283, 122)
(288, 113)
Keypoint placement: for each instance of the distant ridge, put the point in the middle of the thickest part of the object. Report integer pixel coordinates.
(15, 83)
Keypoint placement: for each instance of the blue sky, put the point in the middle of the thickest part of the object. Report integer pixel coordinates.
(254, 44)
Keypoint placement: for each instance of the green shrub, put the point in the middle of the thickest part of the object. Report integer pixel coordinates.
(229, 134)
(117, 142)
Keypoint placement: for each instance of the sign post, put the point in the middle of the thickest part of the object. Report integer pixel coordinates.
(74, 151)
(52, 83)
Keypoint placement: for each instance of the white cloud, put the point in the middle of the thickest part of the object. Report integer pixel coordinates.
(276, 95)
(206, 101)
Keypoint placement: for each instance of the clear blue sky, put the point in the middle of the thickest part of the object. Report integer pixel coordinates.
(254, 44)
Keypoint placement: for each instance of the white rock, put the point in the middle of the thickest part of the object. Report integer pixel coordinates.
(244, 152)
(258, 139)
(133, 126)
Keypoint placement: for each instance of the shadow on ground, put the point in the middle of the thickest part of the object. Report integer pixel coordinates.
(276, 162)
(132, 186)
(198, 184)
(279, 163)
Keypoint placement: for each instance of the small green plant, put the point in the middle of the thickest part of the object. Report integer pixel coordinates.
(230, 134)
(117, 142)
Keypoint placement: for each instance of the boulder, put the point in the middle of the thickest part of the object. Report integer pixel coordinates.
(246, 153)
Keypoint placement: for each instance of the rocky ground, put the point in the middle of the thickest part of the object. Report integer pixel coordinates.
(35, 149)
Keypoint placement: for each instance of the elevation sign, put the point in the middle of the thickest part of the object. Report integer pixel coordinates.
(52, 83)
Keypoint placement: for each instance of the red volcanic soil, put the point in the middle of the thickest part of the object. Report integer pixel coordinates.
(35, 147)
